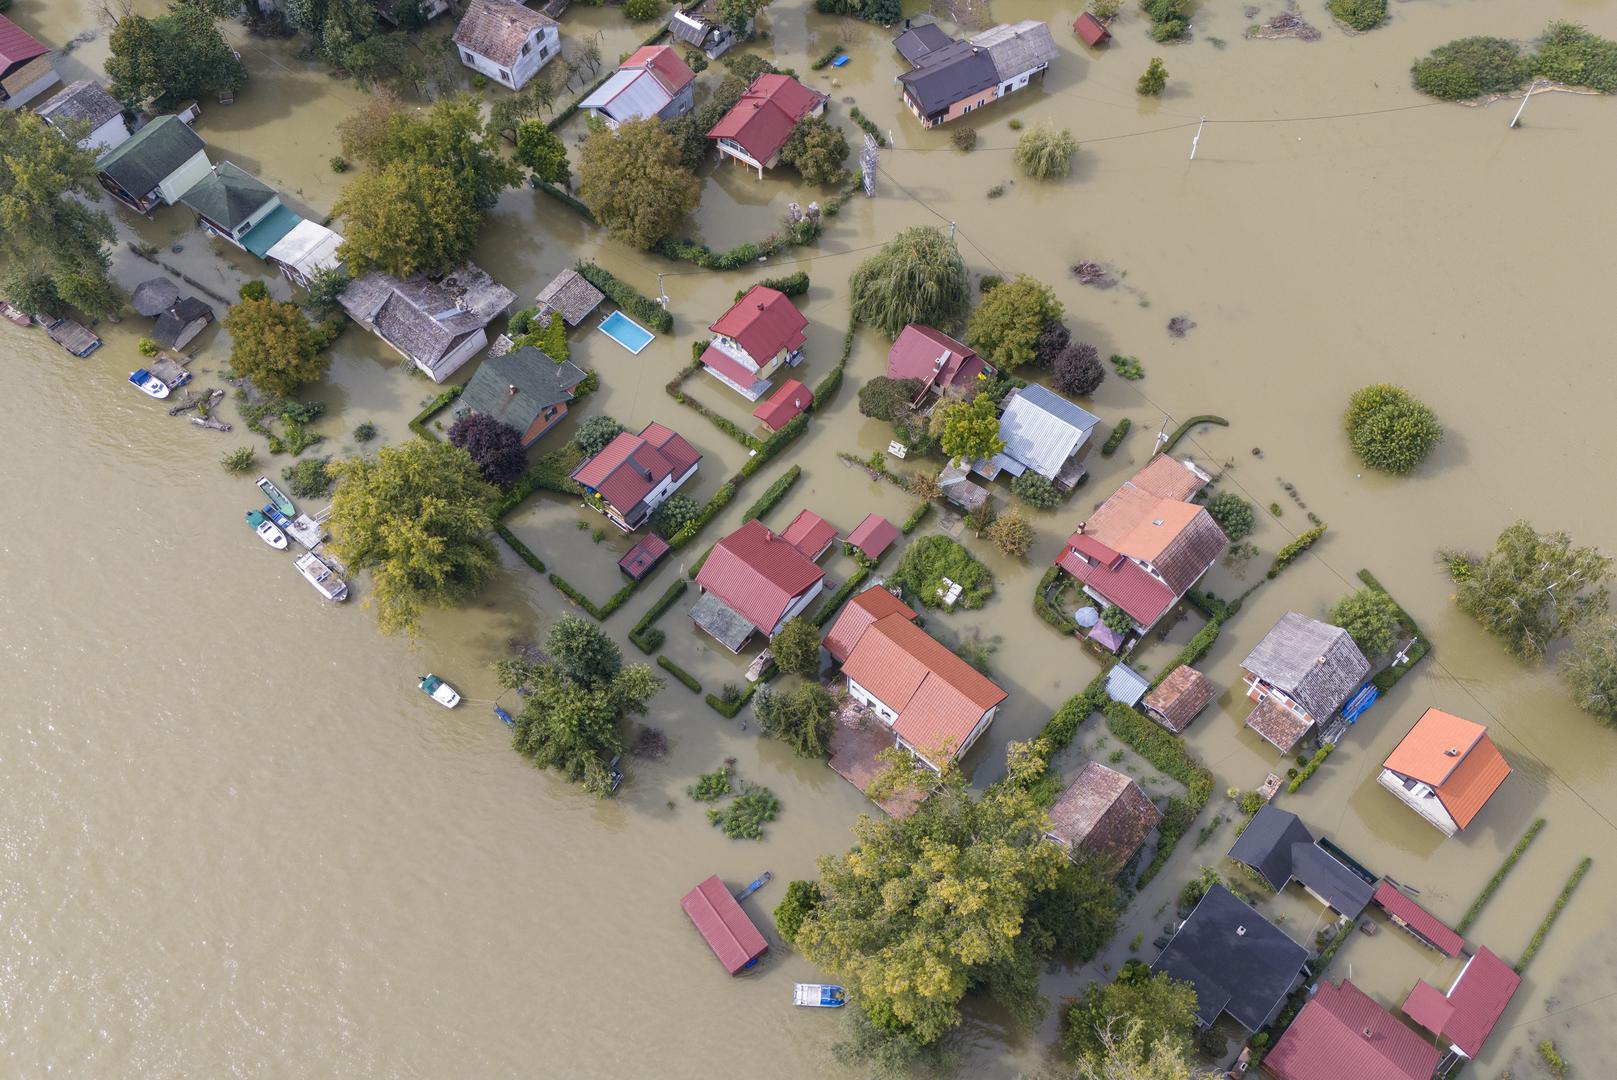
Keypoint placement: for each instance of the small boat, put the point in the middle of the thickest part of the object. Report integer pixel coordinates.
(267, 530)
(759, 882)
(325, 580)
(11, 314)
(276, 516)
(438, 690)
(276, 496)
(819, 995)
(148, 383)
(510, 721)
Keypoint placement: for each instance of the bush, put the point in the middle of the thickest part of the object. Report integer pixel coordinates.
(1010, 321)
(1035, 490)
(816, 149)
(711, 787)
(642, 10)
(1044, 153)
(1286, 555)
(636, 303)
(674, 514)
(690, 681)
(240, 460)
(1154, 80)
(802, 897)
(1233, 514)
(745, 816)
(1308, 770)
(1052, 339)
(1077, 370)
(930, 559)
(1359, 14)
(1570, 54)
(1197, 887)
(1389, 429)
(1115, 439)
(146, 347)
(646, 637)
(1371, 618)
(1470, 67)
(797, 648)
(1012, 534)
(882, 398)
(964, 138)
(801, 719)
(1168, 18)
(309, 478)
(254, 290)
(496, 447)
(365, 432)
(1128, 367)
(595, 433)
(1590, 669)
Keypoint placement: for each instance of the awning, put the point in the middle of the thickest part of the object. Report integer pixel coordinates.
(263, 236)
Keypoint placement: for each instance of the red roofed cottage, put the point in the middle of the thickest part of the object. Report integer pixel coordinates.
(752, 582)
(756, 129)
(760, 332)
(635, 474)
(26, 67)
(1342, 1032)
(935, 358)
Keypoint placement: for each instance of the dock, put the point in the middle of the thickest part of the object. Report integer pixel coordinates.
(170, 367)
(75, 338)
(307, 531)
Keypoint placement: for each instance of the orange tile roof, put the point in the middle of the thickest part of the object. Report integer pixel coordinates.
(1454, 757)
(1168, 478)
(1154, 532)
(856, 617)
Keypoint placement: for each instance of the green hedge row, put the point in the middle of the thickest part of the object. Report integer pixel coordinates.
(1310, 769)
(829, 609)
(562, 197)
(826, 388)
(1115, 439)
(646, 637)
(1499, 876)
(867, 125)
(773, 494)
(803, 233)
(729, 709)
(680, 673)
(1045, 610)
(1167, 754)
(687, 532)
(791, 285)
(436, 405)
(599, 612)
(1184, 429)
(916, 517)
(1200, 644)
(627, 297)
(775, 444)
(1288, 554)
(1553, 914)
(552, 472)
(523, 551)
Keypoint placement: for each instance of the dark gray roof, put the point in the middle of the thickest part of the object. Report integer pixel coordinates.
(424, 318)
(915, 43)
(1315, 663)
(1265, 844)
(1239, 962)
(150, 155)
(690, 29)
(1341, 888)
(177, 326)
(948, 75)
(540, 382)
(228, 196)
(154, 296)
(84, 101)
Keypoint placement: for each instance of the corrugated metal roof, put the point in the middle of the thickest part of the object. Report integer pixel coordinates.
(809, 533)
(873, 535)
(270, 231)
(758, 574)
(1342, 1032)
(763, 322)
(729, 933)
(855, 618)
(1042, 430)
(789, 401)
(17, 45)
(1423, 922)
(1125, 685)
(630, 94)
(310, 246)
(1479, 996)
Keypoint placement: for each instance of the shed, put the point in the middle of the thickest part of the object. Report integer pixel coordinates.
(1426, 928)
(643, 558)
(1179, 698)
(917, 42)
(873, 536)
(810, 533)
(1091, 30)
(784, 405)
(305, 251)
(1103, 814)
(726, 928)
(1125, 685)
(572, 295)
(154, 296)
(179, 325)
(959, 489)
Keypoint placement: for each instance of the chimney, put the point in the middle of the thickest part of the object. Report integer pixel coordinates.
(1240, 931)
(511, 389)
(1368, 1034)
(1451, 752)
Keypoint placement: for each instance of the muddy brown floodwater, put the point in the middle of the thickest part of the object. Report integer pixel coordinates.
(235, 840)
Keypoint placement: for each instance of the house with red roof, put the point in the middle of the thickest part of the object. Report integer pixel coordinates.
(789, 401)
(1147, 544)
(938, 360)
(873, 536)
(635, 474)
(1446, 769)
(935, 703)
(1469, 1012)
(755, 130)
(653, 81)
(27, 68)
(751, 583)
(1342, 1032)
(761, 331)
(811, 534)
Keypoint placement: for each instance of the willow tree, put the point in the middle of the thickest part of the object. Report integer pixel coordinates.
(1045, 153)
(1532, 589)
(917, 277)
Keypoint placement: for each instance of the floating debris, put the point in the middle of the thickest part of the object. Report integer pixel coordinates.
(1180, 325)
(1093, 274)
(1288, 24)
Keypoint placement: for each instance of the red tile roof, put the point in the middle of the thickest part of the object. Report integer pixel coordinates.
(17, 45)
(729, 933)
(1479, 996)
(641, 559)
(854, 619)
(1090, 29)
(1278, 724)
(665, 64)
(763, 119)
(1121, 581)
(1423, 922)
(1180, 697)
(1342, 1032)
(1104, 814)
(1455, 758)
(784, 405)
(809, 533)
(915, 356)
(728, 366)
(630, 466)
(873, 535)
(763, 322)
(758, 574)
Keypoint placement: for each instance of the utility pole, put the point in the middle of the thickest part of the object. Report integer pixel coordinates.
(1523, 105)
(1198, 138)
(662, 295)
(1162, 435)
(951, 230)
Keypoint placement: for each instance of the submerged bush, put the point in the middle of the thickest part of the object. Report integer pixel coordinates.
(1389, 429)
(1470, 67)
(1359, 14)
(1045, 153)
(1570, 54)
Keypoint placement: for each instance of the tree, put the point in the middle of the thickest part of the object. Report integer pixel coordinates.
(802, 897)
(1104, 10)
(1470, 67)
(738, 14)
(642, 10)
(1053, 338)
(1044, 153)
(176, 56)
(881, 398)
(595, 432)
(816, 150)
(917, 277)
(495, 446)
(582, 652)
(1012, 534)
(1007, 324)
(326, 286)
(1531, 589)
(800, 718)
(1359, 14)
(417, 516)
(273, 346)
(1077, 370)
(1370, 617)
(1590, 669)
(969, 430)
(1125, 1055)
(674, 514)
(541, 151)
(1151, 83)
(633, 182)
(508, 113)
(1035, 490)
(451, 136)
(1117, 620)
(1389, 430)
(797, 648)
(1163, 1007)
(410, 216)
(1233, 514)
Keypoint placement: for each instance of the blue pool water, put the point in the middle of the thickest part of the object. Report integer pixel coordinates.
(626, 332)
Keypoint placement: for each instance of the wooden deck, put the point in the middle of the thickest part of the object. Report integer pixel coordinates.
(73, 337)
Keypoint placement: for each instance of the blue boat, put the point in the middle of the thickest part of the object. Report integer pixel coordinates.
(819, 995)
(841, 61)
(276, 516)
(503, 715)
(758, 883)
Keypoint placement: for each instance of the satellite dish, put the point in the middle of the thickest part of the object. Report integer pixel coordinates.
(1086, 617)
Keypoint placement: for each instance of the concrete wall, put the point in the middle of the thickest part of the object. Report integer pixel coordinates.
(1421, 799)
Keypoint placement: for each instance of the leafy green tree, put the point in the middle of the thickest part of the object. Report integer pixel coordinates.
(817, 150)
(582, 652)
(1570, 54)
(1370, 617)
(1233, 514)
(1077, 370)
(273, 346)
(542, 152)
(1359, 14)
(881, 398)
(917, 277)
(1590, 669)
(642, 10)
(969, 430)
(1116, 619)
(178, 55)
(1045, 153)
(1531, 589)
(797, 648)
(800, 718)
(634, 183)
(1126, 1055)
(1007, 324)
(507, 114)
(326, 286)
(802, 897)
(409, 216)
(595, 433)
(1012, 534)
(1154, 80)
(495, 446)
(451, 135)
(1035, 490)
(674, 514)
(739, 14)
(417, 516)
(310, 478)
(1470, 67)
(1164, 1006)
(1389, 430)
(1168, 18)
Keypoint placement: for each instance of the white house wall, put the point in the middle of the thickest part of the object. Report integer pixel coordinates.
(544, 45)
(109, 135)
(797, 606)
(455, 357)
(1422, 800)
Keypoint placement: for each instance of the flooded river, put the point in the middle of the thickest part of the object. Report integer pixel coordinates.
(236, 841)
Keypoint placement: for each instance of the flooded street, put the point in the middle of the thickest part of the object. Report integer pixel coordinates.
(236, 841)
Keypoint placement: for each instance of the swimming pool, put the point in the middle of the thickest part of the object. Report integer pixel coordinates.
(626, 332)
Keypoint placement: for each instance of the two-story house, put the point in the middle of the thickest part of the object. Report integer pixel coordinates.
(950, 79)
(154, 166)
(653, 81)
(523, 389)
(1446, 769)
(752, 582)
(756, 130)
(936, 359)
(506, 42)
(240, 209)
(762, 331)
(635, 474)
(1300, 674)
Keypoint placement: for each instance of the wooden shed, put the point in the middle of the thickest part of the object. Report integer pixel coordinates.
(1091, 30)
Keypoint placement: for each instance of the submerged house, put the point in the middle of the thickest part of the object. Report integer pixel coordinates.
(714, 39)
(1180, 698)
(307, 249)
(180, 324)
(947, 81)
(1342, 1032)
(27, 68)
(505, 41)
(1446, 769)
(1278, 847)
(1241, 964)
(1300, 674)
(757, 128)
(1103, 815)
(570, 295)
(524, 389)
(810, 533)
(653, 81)
(760, 332)
(97, 114)
(154, 166)
(1042, 431)
(916, 43)
(789, 401)
(1468, 1013)
(752, 582)
(240, 209)
(938, 360)
(437, 325)
(635, 474)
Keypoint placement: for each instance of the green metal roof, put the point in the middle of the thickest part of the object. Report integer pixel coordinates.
(269, 232)
(150, 155)
(229, 196)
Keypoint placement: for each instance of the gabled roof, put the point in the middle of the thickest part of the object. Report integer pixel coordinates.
(1240, 963)
(855, 618)
(1170, 478)
(763, 322)
(1041, 429)
(1342, 1032)
(1265, 844)
(17, 46)
(1455, 758)
(938, 697)
(763, 119)
(1422, 922)
(629, 94)
(1330, 879)
(809, 533)
(630, 466)
(1278, 724)
(1178, 699)
(949, 74)
(496, 29)
(917, 42)
(873, 535)
(691, 29)
(1018, 48)
(308, 247)
(1480, 996)
(1124, 685)
(663, 62)
(85, 101)
(228, 195)
(538, 380)
(1147, 518)
(1313, 662)
(1091, 29)
(729, 933)
(789, 401)
(570, 293)
(758, 574)
(1120, 580)
(1104, 814)
(421, 317)
(916, 353)
(150, 155)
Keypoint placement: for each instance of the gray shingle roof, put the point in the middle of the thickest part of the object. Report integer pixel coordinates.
(228, 195)
(1018, 47)
(497, 29)
(85, 101)
(1265, 844)
(1315, 663)
(539, 381)
(424, 318)
(916, 43)
(572, 295)
(150, 155)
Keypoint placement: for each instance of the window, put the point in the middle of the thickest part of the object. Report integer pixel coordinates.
(466, 56)
(544, 51)
(526, 45)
